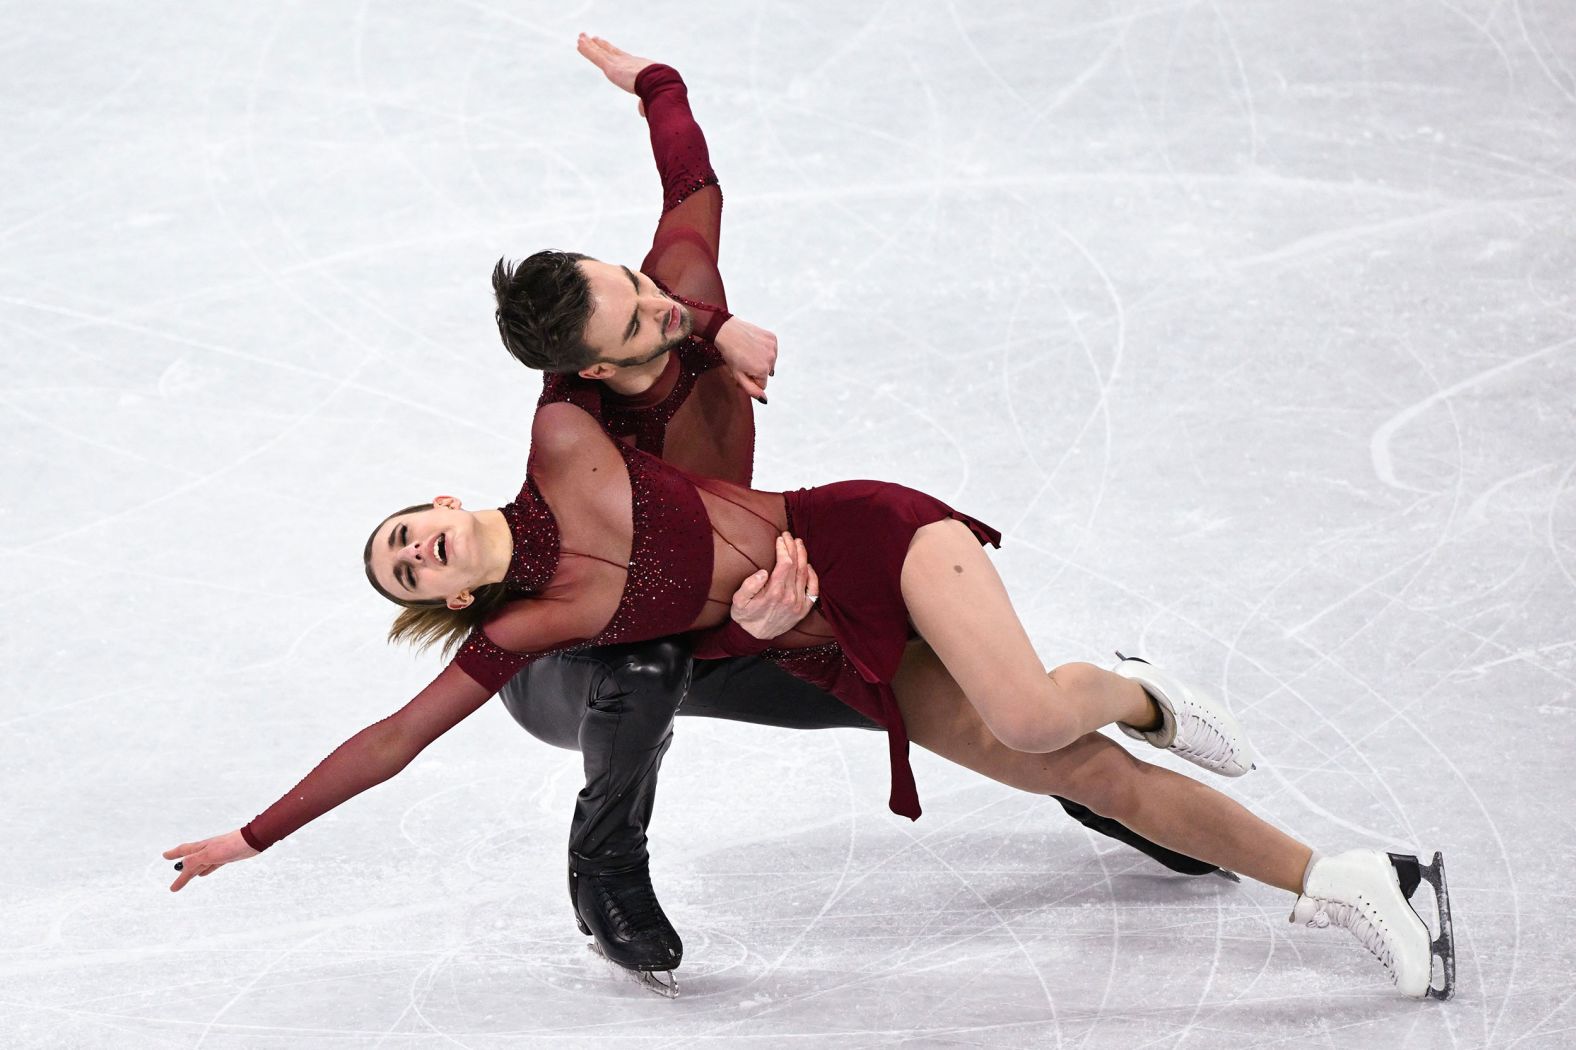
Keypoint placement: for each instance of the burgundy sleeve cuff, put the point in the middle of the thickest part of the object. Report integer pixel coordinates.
(729, 640)
(719, 317)
(655, 77)
(252, 840)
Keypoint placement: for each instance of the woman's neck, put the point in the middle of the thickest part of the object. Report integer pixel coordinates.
(497, 542)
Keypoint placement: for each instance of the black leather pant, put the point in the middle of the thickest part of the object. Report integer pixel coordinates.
(615, 705)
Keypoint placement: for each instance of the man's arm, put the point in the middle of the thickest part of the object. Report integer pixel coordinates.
(684, 251)
(683, 254)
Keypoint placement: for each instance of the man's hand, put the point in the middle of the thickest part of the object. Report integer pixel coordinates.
(620, 67)
(207, 856)
(766, 605)
(750, 352)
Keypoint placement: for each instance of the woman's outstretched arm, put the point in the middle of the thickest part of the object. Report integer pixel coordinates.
(365, 760)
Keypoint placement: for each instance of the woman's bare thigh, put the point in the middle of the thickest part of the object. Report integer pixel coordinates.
(941, 719)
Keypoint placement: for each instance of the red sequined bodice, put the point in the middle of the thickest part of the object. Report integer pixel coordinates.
(669, 569)
(536, 546)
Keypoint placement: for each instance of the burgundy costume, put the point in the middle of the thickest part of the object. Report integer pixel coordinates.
(698, 419)
(613, 545)
(688, 539)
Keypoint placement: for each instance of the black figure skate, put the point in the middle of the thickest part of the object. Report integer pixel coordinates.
(619, 911)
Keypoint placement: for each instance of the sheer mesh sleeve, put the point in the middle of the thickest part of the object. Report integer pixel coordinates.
(683, 256)
(712, 434)
(371, 756)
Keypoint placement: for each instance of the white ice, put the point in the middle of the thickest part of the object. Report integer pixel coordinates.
(1251, 324)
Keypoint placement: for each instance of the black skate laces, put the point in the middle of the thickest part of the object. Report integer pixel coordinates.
(630, 904)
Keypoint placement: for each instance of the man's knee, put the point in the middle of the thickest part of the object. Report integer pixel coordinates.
(652, 673)
(549, 698)
(552, 697)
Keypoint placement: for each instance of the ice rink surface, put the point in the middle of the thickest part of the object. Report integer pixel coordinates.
(1250, 324)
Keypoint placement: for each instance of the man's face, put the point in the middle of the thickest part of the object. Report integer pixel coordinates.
(632, 321)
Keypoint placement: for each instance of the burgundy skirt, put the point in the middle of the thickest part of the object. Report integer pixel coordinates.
(856, 534)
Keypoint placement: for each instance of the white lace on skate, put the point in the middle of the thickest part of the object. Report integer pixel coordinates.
(1194, 725)
(1320, 914)
(1204, 743)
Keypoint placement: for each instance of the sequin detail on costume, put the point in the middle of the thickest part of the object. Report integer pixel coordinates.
(681, 189)
(670, 566)
(646, 424)
(535, 533)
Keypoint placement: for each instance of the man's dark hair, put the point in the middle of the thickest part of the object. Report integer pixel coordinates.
(543, 305)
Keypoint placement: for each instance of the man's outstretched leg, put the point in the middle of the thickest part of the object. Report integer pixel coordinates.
(615, 704)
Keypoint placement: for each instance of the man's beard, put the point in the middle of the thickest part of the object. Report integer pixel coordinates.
(685, 327)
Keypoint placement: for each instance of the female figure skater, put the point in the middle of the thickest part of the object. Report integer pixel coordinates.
(606, 544)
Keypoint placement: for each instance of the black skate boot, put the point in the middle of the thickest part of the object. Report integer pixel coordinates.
(619, 910)
(1177, 862)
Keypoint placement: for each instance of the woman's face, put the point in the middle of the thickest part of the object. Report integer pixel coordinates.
(428, 554)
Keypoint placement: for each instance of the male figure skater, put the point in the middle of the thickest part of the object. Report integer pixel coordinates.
(654, 355)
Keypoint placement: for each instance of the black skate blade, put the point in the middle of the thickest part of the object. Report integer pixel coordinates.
(1445, 943)
(650, 980)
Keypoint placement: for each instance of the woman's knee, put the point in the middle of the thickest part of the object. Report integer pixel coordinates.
(1040, 713)
(1076, 678)
(1033, 727)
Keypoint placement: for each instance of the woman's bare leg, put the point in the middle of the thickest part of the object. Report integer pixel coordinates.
(958, 604)
(1175, 811)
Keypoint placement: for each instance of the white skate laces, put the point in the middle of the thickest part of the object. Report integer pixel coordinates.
(1368, 893)
(1193, 724)
(1319, 915)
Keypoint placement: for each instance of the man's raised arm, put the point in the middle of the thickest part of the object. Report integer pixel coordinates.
(684, 251)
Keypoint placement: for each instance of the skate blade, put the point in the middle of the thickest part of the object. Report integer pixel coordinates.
(1445, 944)
(1228, 875)
(650, 980)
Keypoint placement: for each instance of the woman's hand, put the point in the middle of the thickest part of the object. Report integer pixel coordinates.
(207, 856)
(750, 352)
(767, 604)
(620, 67)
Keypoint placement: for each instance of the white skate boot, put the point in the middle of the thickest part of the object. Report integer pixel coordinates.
(1192, 723)
(1370, 894)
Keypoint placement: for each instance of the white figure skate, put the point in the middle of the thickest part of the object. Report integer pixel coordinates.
(1370, 894)
(1193, 724)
